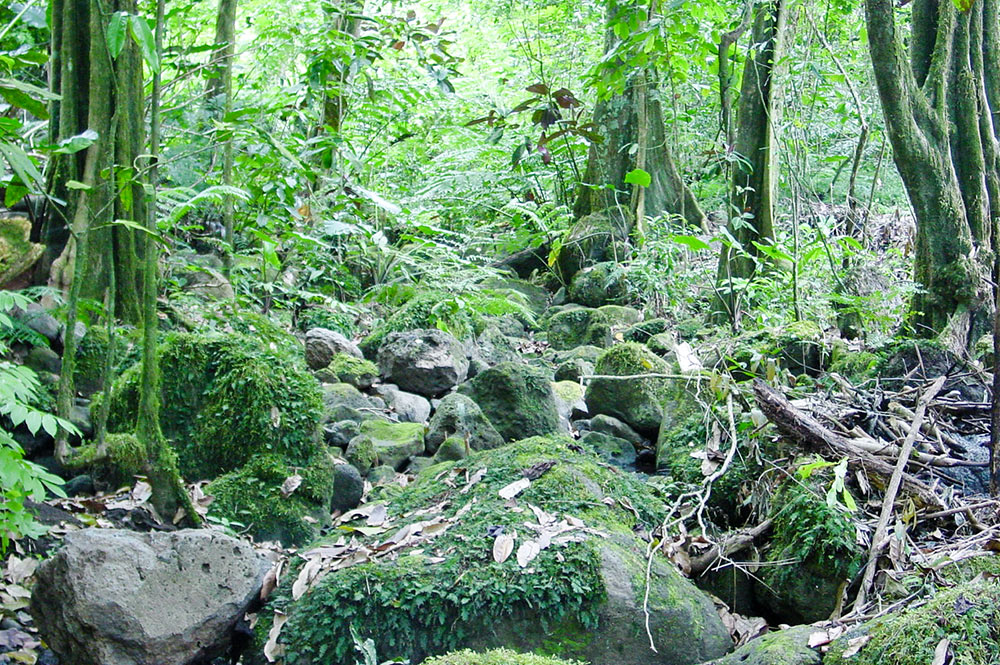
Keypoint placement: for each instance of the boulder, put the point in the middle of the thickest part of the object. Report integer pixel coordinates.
(394, 443)
(606, 424)
(36, 317)
(428, 362)
(637, 402)
(112, 597)
(601, 284)
(517, 399)
(569, 401)
(573, 369)
(780, 647)
(457, 415)
(207, 283)
(579, 326)
(613, 450)
(338, 395)
(340, 433)
(323, 344)
(451, 449)
(344, 368)
(348, 488)
(408, 407)
(599, 236)
(17, 252)
(43, 359)
(482, 579)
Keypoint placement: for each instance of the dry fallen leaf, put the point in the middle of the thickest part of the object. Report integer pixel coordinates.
(503, 546)
(527, 552)
(515, 488)
(941, 652)
(854, 645)
(273, 650)
(291, 484)
(475, 478)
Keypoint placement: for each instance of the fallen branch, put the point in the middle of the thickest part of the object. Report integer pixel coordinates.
(730, 545)
(803, 427)
(890, 494)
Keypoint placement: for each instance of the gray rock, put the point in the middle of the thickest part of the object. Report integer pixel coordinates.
(601, 284)
(394, 443)
(451, 450)
(343, 395)
(340, 433)
(408, 407)
(570, 404)
(427, 362)
(517, 399)
(458, 415)
(209, 283)
(573, 369)
(382, 474)
(348, 488)
(613, 427)
(80, 416)
(81, 485)
(38, 319)
(113, 597)
(616, 451)
(80, 329)
(323, 344)
(780, 647)
(43, 359)
(418, 464)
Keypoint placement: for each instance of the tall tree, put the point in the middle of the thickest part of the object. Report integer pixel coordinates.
(939, 104)
(632, 125)
(96, 86)
(751, 202)
(219, 95)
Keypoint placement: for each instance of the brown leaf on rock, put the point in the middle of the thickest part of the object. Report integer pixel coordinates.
(536, 471)
(291, 484)
(513, 489)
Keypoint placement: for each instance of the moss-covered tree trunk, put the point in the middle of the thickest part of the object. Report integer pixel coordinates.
(343, 18)
(940, 103)
(219, 95)
(92, 90)
(751, 204)
(634, 137)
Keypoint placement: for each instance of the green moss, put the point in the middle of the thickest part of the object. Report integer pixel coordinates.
(569, 392)
(319, 317)
(413, 605)
(252, 496)
(126, 458)
(517, 400)
(967, 615)
(853, 365)
(602, 284)
(225, 399)
(393, 443)
(579, 326)
(354, 371)
(638, 402)
(496, 657)
(361, 453)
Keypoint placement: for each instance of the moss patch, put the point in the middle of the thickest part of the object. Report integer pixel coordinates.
(967, 615)
(637, 402)
(496, 657)
(414, 606)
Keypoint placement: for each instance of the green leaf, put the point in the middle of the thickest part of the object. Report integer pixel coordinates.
(22, 165)
(964, 5)
(638, 177)
(76, 143)
(26, 96)
(692, 242)
(76, 184)
(144, 39)
(117, 31)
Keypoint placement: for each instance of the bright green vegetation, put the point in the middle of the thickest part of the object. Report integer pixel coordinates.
(450, 602)
(966, 615)
(226, 399)
(252, 496)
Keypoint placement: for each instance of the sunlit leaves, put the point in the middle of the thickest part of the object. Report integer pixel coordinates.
(964, 5)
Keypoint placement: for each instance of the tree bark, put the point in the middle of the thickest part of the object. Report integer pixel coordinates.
(939, 106)
(617, 120)
(92, 90)
(751, 206)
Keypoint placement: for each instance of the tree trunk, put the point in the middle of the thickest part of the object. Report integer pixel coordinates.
(93, 89)
(342, 16)
(617, 120)
(219, 96)
(751, 209)
(939, 106)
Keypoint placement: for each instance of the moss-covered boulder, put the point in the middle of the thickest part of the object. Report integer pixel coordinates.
(577, 592)
(344, 368)
(126, 458)
(573, 369)
(780, 647)
(224, 401)
(394, 443)
(642, 331)
(620, 316)
(601, 284)
(613, 450)
(599, 236)
(17, 252)
(967, 615)
(427, 362)
(257, 496)
(579, 326)
(458, 415)
(517, 399)
(496, 657)
(342, 401)
(813, 552)
(637, 402)
(569, 400)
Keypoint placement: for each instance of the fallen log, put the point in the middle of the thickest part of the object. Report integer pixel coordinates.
(806, 429)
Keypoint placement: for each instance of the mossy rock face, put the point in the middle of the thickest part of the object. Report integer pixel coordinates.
(853, 365)
(636, 402)
(579, 326)
(458, 415)
(126, 458)
(613, 450)
(517, 399)
(619, 316)
(451, 449)
(572, 370)
(224, 401)
(601, 284)
(581, 597)
(357, 372)
(569, 400)
(394, 443)
(781, 647)
(17, 252)
(253, 497)
(535, 296)
(599, 236)
(496, 657)
(967, 615)
(820, 540)
(921, 361)
(642, 331)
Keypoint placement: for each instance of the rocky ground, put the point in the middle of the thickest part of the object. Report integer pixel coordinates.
(535, 471)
